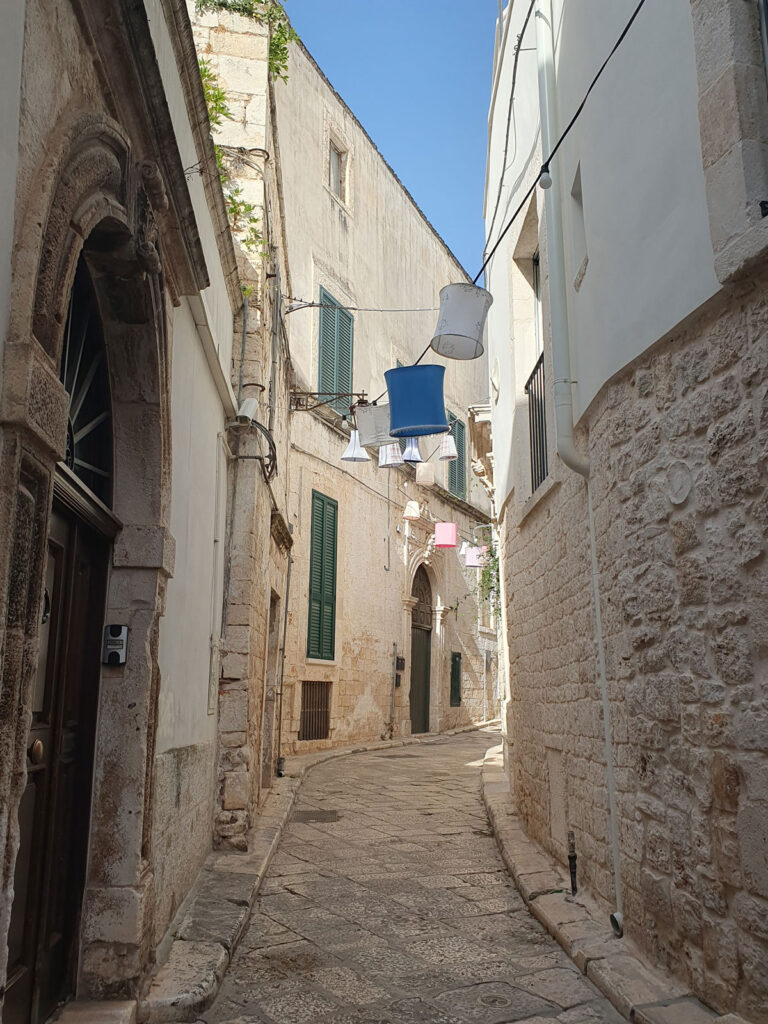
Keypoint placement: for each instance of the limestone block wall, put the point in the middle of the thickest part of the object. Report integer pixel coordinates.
(372, 609)
(677, 444)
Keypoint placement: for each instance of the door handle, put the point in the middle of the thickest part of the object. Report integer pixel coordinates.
(36, 751)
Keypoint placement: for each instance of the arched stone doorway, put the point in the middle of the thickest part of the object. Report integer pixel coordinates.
(85, 458)
(54, 811)
(421, 651)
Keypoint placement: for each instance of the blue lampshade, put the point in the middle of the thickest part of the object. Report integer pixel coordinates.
(416, 404)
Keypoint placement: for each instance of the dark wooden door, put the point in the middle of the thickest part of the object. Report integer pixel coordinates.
(421, 644)
(421, 641)
(55, 808)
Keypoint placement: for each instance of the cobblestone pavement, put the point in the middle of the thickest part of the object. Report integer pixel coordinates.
(387, 903)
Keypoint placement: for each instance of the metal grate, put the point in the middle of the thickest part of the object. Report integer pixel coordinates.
(315, 711)
(537, 423)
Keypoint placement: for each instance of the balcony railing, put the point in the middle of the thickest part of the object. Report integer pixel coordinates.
(537, 423)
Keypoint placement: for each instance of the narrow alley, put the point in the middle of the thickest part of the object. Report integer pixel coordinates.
(387, 902)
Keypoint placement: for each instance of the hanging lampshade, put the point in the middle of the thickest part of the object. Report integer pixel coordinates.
(390, 455)
(355, 451)
(446, 535)
(412, 511)
(416, 404)
(460, 325)
(373, 423)
(464, 548)
(412, 453)
(448, 452)
(477, 557)
(425, 474)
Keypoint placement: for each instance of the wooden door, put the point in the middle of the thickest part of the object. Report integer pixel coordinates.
(421, 645)
(54, 811)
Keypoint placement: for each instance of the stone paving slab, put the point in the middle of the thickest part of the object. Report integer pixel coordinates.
(83, 1012)
(615, 966)
(213, 917)
(368, 925)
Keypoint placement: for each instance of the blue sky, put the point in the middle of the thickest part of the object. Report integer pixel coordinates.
(417, 74)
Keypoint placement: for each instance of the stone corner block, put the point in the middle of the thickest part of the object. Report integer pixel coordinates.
(93, 1012)
(629, 984)
(145, 547)
(186, 984)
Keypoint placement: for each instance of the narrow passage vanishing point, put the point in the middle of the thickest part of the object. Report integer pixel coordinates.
(387, 903)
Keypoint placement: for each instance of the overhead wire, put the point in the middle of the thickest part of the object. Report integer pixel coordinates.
(545, 166)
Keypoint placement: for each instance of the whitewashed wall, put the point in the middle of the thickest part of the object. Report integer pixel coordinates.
(640, 261)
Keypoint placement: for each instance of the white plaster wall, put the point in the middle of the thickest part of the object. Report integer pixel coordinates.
(650, 260)
(11, 48)
(376, 250)
(215, 299)
(193, 607)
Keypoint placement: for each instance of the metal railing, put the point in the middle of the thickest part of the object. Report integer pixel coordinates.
(537, 423)
(315, 711)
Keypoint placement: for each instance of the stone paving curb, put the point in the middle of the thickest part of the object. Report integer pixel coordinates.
(213, 918)
(640, 993)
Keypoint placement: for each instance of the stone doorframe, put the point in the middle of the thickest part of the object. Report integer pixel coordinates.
(93, 200)
(419, 552)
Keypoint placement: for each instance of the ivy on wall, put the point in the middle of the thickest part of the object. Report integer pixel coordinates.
(266, 12)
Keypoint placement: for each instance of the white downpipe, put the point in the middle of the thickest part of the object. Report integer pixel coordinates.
(561, 365)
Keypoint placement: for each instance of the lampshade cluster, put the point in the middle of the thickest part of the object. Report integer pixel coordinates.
(416, 403)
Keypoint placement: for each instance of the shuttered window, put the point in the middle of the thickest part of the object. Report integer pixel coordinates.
(335, 355)
(321, 628)
(457, 470)
(455, 679)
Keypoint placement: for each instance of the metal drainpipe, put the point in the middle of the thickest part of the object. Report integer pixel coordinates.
(561, 363)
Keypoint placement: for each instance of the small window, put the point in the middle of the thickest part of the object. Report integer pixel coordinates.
(315, 711)
(457, 469)
(321, 626)
(455, 679)
(538, 322)
(336, 169)
(335, 351)
(537, 423)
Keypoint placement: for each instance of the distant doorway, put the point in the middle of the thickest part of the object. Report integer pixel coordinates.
(268, 765)
(421, 645)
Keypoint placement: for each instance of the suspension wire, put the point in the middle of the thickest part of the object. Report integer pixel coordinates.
(563, 137)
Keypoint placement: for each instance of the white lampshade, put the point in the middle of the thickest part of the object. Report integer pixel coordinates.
(448, 452)
(463, 550)
(425, 474)
(460, 325)
(412, 453)
(412, 511)
(390, 455)
(355, 451)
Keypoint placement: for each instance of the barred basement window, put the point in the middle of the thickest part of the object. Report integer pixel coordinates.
(315, 711)
(537, 424)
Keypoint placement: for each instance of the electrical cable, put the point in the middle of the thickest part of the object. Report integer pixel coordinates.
(579, 110)
(303, 304)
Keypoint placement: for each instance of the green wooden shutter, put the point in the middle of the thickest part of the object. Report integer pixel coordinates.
(455, 679)
(457, 472)
(321, 626)
(335, 350)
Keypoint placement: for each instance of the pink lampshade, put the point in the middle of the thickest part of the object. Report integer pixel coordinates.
(446, 535)
(476, 557)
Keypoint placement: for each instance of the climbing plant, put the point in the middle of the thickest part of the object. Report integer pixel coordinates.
(267, 12)
(241, 214)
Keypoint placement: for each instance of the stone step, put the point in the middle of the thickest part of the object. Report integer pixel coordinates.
(106, 1012)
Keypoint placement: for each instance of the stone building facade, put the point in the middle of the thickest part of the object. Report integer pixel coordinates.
(670, 378)
(335, 243)
(120, 501)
